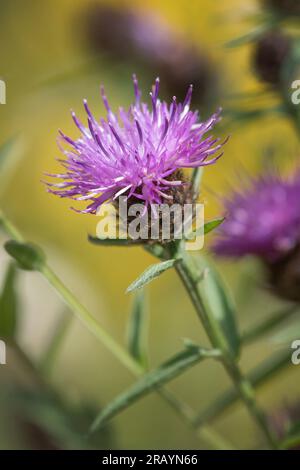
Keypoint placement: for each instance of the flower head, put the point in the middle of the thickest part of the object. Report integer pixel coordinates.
(135, 153)
(263, 220)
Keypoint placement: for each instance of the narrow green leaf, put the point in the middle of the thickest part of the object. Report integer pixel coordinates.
(213, 224)
(114, 241)
(154, 379)
(151, 273)
(27, 255)
(9, 304)
(137, 329)
(206, 228)
(219, 305)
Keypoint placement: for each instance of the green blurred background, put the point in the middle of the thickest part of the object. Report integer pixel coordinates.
(49, 68)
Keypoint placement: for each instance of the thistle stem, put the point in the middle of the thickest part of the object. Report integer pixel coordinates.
(242, 384)
(117, 350)
(80, 311)
(90, 322)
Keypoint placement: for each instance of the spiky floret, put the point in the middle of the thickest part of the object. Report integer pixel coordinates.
(134, 153)
(262, 220)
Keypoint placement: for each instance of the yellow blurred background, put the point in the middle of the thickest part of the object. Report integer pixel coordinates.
(48, 69)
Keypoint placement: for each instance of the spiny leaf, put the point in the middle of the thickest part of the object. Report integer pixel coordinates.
(175, 366)
(151, 273)
(137, 329)
(27, 255)
(9, 304)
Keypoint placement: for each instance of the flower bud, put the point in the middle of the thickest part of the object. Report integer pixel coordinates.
(270, 53)
(263, 221)
(284, 275)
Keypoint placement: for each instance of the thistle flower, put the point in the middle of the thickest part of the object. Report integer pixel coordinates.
(270, 53)
(264, 221)
(135, 153)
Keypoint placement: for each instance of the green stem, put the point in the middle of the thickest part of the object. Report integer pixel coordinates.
(242, 385)
(103, 336)
(205, 433)
(118, 351)
(9, 228)
(247, 394)
(258, 376)
(80, 311)
(90, 323)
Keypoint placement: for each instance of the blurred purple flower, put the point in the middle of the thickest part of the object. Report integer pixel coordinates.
(143, 36)
(262, 220)
(136, 152)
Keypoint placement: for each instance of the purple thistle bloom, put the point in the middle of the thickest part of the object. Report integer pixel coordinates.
(135, 152)
(263, 220)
